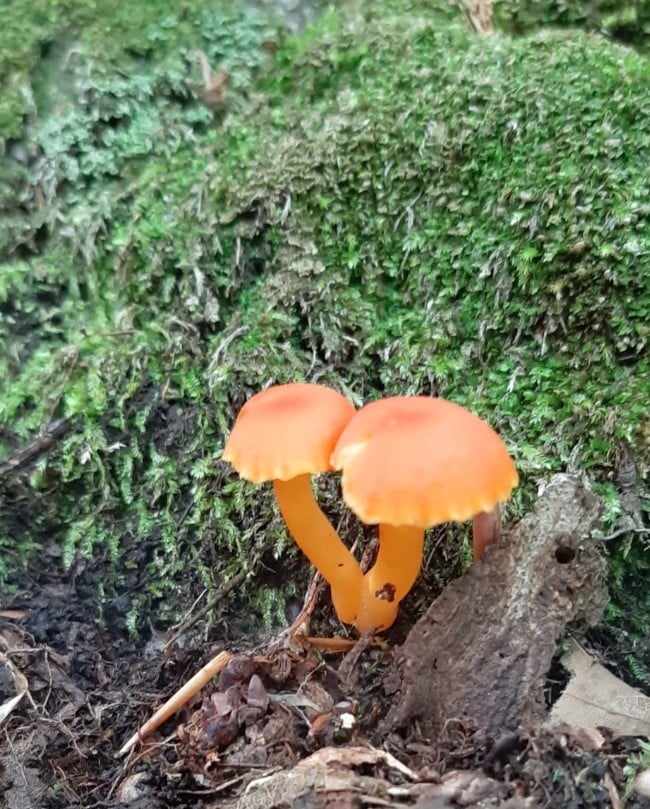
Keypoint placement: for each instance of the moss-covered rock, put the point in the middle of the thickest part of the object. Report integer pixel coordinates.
(389, 204)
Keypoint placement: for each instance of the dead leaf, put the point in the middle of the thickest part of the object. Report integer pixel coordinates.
(610, 786)
(359, 757)
(328, 771)
(595, 697)
(590, 739)
(20, 684)
(355, 776)
(13, 615)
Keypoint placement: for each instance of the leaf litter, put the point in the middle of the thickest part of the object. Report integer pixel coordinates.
(280, 725)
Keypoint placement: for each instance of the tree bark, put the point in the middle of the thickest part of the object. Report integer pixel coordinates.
(484, 647)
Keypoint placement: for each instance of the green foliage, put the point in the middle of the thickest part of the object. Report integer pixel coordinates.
(627, 615)
(389, 204)
(635, 764)
(41, 41)
(79, 341)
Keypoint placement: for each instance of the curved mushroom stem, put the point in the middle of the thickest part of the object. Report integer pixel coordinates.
(396, 568)
(320, 543)
(486, 530)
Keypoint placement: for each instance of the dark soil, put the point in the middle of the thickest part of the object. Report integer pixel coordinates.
(91, 685)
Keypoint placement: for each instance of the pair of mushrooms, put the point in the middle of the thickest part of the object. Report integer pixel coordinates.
(407, 463)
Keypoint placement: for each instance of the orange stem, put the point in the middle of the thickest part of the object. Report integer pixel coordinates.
(398, 563)
(320, 543)
(486, 529)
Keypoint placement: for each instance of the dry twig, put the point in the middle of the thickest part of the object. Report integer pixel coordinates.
(37, 447)
(180, 698)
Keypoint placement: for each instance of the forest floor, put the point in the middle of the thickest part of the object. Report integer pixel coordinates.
(386, 204)
(89, 687)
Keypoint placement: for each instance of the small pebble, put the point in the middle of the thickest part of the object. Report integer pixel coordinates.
(133, 788)
(642, 783)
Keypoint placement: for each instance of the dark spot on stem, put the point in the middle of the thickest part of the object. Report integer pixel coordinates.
(386, 593)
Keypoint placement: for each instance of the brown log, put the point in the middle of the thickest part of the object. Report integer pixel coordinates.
(484, 647)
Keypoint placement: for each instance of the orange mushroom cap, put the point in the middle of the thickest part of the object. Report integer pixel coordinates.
(419, 461)
(285, 434)
(286, 431)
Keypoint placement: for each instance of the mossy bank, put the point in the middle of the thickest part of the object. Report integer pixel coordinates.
(387, 203)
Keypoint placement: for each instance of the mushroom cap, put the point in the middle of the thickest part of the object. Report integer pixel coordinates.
(420, 461)
(286, 431)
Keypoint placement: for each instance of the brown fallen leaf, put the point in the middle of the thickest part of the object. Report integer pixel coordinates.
(595, 698)
(20, 684)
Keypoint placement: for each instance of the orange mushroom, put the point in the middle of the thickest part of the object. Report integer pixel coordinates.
(285, 434)
(408, 463)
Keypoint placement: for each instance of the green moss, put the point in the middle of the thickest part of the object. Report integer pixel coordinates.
(624, 20)
(389, 204)
(42, 41)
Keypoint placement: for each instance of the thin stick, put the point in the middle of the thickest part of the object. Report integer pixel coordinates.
(180, 698)
(51, 433)
(301, 624)
(222, 592)
(621, 532)
(335, 644)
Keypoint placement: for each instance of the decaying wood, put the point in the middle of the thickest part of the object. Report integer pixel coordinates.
(357, 777)
(483, 648)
